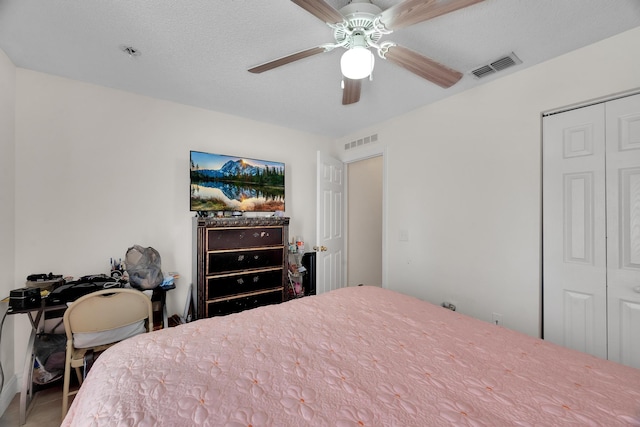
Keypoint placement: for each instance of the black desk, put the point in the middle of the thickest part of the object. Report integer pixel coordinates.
(26, 392)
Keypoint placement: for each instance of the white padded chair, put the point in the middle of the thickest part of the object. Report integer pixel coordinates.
(101, 319)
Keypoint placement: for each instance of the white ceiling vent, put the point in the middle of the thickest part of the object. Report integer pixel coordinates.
(361, 142)
(497, 65)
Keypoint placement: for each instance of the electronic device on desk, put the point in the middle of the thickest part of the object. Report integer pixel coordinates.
(24, 298)
(73, 290)
(45, 282)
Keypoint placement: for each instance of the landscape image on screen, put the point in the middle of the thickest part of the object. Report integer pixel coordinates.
(228, 183)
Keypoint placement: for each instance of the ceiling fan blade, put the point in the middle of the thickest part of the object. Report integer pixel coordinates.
(411, 12)
(351, 91)
(321, 10)
(287, 59)
(422, 66)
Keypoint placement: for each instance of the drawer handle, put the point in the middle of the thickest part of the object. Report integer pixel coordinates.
(240, 281)
(240, 257)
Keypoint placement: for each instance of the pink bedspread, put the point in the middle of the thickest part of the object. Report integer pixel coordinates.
(353, 357)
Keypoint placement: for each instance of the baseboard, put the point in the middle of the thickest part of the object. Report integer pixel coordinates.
(8, 393)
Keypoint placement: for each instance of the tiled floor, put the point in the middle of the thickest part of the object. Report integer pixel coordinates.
(46, 410)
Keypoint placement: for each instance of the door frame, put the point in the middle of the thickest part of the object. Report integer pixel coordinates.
(589, 102)
(350, 157)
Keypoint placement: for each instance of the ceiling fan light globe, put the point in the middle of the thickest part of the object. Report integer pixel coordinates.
(357, 63)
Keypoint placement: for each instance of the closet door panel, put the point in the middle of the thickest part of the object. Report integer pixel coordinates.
(623, 229)
(574, 246)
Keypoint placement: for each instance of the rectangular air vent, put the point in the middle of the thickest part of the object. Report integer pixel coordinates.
(497, 65)
(483, 71)
(361, 142)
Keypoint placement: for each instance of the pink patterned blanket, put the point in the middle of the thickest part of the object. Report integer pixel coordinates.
(360, 356)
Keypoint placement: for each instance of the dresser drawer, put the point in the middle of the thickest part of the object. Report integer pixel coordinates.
(228, 262)
(236, 305)
(243, 283)
(241, 238)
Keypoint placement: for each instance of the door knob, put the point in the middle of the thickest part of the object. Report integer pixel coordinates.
(636, 289)
(320, 248)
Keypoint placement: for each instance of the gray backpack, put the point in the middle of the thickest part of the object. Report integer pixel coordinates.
(143, 267)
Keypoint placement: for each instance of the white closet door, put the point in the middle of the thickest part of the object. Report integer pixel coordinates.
(623, 229)
(574, 244)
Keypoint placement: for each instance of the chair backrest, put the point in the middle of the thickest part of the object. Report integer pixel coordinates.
(106, 310)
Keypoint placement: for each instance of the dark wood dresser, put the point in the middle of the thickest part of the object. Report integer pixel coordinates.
(239, 263)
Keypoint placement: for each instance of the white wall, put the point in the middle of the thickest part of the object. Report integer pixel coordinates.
(7, 206)
(98, 170)
(464, 180)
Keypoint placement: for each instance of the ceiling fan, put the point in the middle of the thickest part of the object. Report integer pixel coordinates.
(360, 25)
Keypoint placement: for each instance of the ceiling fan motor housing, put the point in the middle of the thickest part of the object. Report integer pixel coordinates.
(360, 17)
(360, 6)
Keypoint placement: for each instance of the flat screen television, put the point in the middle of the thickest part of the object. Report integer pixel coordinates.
(228, 183)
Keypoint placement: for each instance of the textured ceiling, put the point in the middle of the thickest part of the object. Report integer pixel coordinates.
(197, 52)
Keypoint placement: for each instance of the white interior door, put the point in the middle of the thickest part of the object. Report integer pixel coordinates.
(330, 239)
(623, 225)
(574, 243)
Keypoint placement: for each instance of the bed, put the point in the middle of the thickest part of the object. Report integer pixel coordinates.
(361, 356)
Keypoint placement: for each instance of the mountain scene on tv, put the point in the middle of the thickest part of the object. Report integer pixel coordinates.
(223, 183)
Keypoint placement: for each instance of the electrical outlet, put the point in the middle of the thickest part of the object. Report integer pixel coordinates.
(497, 319)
